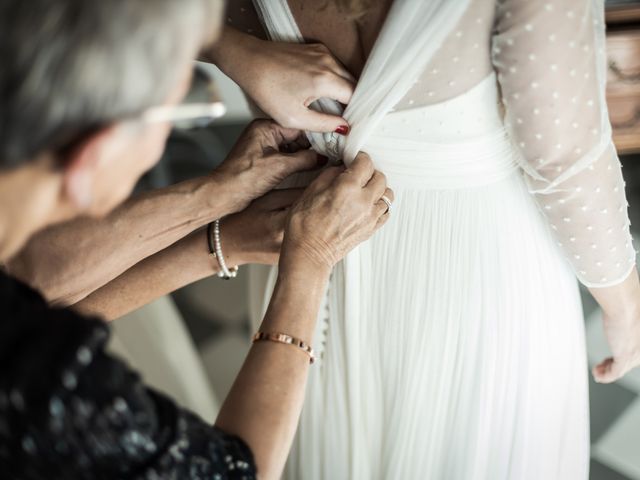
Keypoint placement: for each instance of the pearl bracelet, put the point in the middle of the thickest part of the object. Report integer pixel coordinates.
(215, 250)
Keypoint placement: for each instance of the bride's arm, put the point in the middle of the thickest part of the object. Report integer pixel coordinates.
(621, 306)
(550, 61)
(283, 79)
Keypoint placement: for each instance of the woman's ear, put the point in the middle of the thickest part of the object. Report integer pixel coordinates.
(81, 166)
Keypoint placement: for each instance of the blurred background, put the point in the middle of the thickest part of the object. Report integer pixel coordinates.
(213, 315)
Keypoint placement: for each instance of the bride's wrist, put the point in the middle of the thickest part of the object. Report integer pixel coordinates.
(628, 313)
(621, 301)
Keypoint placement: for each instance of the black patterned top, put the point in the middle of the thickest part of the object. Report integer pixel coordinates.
(70, 410)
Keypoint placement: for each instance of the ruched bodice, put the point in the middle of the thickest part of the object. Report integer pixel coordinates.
(550, 66)
(458, 143)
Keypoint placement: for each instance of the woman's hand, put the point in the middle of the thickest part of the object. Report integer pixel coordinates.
(623, 336)
(255, 234)
(621, 320)
(339, 210)
(260, 160)
(285, 78)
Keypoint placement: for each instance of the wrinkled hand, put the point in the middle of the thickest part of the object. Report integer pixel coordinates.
(261, 159)
(255, 234)
(285, 78)
(623, 336)
(339, 210)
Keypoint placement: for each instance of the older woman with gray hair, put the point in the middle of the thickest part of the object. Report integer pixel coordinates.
(82, 116)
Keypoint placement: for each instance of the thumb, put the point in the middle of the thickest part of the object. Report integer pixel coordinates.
(608, 371)
(300, 161)
(323, 122)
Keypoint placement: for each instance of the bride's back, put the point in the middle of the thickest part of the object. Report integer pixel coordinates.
(548, 94)
(438, 335)
(463, 60)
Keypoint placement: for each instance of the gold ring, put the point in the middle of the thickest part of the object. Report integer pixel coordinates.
(386, 200)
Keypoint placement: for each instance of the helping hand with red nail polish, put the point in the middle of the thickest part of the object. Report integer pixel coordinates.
(343, 130)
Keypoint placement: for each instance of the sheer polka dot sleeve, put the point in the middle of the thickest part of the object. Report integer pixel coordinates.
(551, 65)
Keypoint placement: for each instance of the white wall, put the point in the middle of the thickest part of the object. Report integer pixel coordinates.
(237, 107)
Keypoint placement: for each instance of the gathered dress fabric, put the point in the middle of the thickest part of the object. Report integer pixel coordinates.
(451, 345)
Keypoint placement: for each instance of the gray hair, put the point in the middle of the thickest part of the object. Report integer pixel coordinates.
(68, 66)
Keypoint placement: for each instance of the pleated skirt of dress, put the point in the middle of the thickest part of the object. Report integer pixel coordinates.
(452, 343)
(467, 358)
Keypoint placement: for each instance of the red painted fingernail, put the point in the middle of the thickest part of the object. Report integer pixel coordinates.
(343, 130)
(322, 160)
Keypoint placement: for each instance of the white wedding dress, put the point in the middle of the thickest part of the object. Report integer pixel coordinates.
(451, 344)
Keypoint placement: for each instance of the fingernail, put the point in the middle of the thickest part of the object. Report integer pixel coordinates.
(322, 160)
(343, 130)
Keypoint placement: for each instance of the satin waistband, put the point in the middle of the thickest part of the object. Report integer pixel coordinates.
(463, 164)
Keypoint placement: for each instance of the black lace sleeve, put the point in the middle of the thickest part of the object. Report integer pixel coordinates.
(69, 410)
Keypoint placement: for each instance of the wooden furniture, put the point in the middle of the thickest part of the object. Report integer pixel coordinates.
(623, 90)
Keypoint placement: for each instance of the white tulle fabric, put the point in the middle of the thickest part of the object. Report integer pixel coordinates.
(452, 343)
(551, 67)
